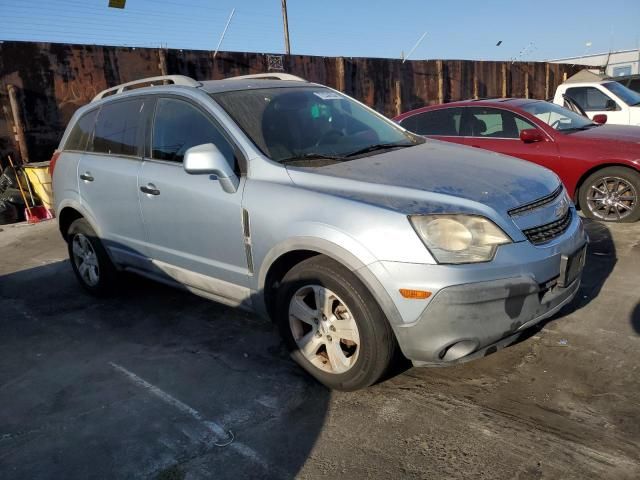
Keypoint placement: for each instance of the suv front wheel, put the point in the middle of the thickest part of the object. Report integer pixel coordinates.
(90, 262)
(333, 326)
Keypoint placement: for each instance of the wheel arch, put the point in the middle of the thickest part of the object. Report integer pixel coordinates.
(66, 217)
(284, 257)
(597, 168)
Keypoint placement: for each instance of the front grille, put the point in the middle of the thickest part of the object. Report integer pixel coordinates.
(546, 233)
(541, 202)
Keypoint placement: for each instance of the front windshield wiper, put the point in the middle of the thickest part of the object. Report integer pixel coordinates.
(311, 156)
(378, 146)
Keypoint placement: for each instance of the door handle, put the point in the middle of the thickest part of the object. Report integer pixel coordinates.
(86, 176)
(150, 189)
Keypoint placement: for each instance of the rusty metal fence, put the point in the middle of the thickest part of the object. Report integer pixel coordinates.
(50, 81)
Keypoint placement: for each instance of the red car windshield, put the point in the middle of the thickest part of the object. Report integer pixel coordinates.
(557, 117)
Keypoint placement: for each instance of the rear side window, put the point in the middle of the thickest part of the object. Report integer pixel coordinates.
(81, 132)
(178, 126)
(119, 128)
(445, 122)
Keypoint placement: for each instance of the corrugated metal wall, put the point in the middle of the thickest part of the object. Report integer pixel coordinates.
(55, 79)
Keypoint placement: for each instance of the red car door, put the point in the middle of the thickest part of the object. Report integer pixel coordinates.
(499, 130)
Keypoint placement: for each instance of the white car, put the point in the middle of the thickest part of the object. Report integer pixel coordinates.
(620, 104)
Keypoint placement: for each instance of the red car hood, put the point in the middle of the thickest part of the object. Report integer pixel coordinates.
(616, 133)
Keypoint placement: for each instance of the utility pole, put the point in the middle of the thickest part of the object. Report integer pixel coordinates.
(285, 24)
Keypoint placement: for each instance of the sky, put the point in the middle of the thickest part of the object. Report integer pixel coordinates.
(459, 29)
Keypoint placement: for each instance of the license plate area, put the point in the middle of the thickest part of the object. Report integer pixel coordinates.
(571, 266)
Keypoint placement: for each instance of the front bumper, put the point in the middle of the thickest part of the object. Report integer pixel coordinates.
(478, 307)
(464, 321)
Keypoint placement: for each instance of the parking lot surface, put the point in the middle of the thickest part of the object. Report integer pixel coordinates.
(158, 383)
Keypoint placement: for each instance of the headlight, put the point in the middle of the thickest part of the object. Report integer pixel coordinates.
(459, 238)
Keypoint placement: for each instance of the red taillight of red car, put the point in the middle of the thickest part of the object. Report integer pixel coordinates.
(52, 163)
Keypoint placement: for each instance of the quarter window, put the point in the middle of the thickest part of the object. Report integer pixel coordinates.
(118, 129)
(179, 126)
(81, 132)
(445, 122)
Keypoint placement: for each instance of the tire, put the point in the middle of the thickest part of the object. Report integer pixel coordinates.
(98, 275)
(611, 195)
(367, 349)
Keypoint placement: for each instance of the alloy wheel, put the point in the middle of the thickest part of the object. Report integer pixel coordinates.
(612, 198)
(324, 329)
(85, 259)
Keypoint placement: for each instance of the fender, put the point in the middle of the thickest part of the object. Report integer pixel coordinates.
(338, 253)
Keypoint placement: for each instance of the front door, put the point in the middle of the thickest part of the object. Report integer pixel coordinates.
(194, 227)
(108, 174)
(499, 130)
(596, 101)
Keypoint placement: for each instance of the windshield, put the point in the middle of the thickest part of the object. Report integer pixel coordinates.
(304, 122)
(557, 117)
(623, 93)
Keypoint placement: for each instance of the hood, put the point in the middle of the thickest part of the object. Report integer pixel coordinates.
(619, 133)
(451, 172)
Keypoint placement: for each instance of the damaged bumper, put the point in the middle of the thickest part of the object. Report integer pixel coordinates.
(477, 308)
(469, 321)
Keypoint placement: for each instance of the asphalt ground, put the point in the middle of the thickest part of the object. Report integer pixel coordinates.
(159, 383)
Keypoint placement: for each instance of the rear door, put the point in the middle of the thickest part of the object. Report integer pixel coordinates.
(499, 130)
(443, 124)
(194, 227)
(108, 181)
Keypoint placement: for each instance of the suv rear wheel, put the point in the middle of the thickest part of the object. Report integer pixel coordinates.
(91, 264)
(333, 326)
(612, 194)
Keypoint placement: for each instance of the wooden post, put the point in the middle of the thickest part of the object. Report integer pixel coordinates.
(475, 80)
(17, 123)
(526, 82)
(504, 80)
(546, 81)
(440, 81)
(340, 80)
(398, 98)
(162, 64)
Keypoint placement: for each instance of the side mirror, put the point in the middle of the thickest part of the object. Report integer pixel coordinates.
(207, 159)
(611, 106)
(600, 119)
(531, 135)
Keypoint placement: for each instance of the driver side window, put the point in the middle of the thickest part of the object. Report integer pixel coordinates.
(591, 99)
(178, 126)
(494, 123)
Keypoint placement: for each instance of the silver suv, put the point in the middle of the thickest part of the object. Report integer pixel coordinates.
(293, 200)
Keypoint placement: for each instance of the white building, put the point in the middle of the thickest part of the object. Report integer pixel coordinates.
(614, 64)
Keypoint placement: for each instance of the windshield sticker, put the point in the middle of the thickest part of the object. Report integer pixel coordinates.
(328, 95)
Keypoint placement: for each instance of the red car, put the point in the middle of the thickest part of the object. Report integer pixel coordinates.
(599, 164)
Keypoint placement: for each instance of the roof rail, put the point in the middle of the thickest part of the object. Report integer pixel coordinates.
(269, 76)
(152, 81)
